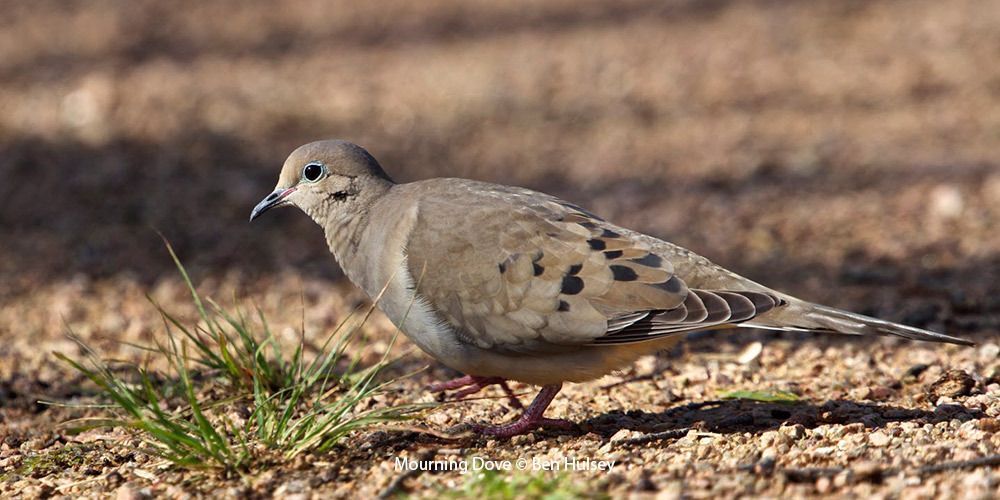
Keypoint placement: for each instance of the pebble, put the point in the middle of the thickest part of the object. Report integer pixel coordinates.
(145, 474)
(953, 383)
(970, 430)
(523, 439)
(989, 352)
(825, 451)
(946, 202)
(796, 431)
(824, 485)
(879, 439)
(292, 489)
(879, 393)
(750, 353)
(989, 424)
(128, 492)
(624, 434)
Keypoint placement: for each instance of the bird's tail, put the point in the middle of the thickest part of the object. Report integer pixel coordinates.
(806, 316)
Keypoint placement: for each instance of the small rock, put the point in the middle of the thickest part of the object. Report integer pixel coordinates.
(176, 492)
(953, 383)
(835, 432)
(750, 353)
(765, 466)
(989, 424)
(824, 485)
(842, 479)
(989, 352)
(971, 431)
(795, 432)
(645, 365)
(293, 488)
(768, 438)
(944, 401)
(624, 434)
(523, 439)
(946, 202)
(438, 418)
(880, 393)
(879, 439)
(145, 474)
(825, 451)
(127, 492)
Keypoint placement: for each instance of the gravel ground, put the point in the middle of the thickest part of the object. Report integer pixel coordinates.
(843, 151)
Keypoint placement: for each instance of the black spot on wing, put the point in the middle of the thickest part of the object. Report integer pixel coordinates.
(538, 268)
(563, 306)
(607, 233)
(613, 254)
(649, 260)
(575, 269)
(571, 285)
(623, 273)
(596, 244)
(503, 267)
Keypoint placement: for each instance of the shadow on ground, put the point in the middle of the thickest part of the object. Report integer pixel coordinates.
(734, 416)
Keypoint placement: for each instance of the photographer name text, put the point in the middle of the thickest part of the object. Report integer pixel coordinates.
(476, 464)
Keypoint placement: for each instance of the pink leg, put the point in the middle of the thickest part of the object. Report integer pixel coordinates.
(473, 384)
(532, 417)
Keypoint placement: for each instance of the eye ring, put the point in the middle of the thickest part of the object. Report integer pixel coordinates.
(313, 172)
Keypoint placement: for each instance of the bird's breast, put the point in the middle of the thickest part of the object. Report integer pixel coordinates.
(380, 267)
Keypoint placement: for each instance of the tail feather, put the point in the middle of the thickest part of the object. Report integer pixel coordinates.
(805, 316)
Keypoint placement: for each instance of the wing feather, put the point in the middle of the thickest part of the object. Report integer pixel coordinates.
(524, 273)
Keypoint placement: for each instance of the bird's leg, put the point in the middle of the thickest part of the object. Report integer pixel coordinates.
(473, 384)
(532, 417)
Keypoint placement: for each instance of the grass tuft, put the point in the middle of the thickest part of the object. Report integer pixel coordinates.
(506, 486)
(274, 401)
(783, 397)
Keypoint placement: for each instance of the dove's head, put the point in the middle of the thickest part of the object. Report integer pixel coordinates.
(327, 180)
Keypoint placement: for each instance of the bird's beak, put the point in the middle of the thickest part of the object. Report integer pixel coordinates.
(275, 199)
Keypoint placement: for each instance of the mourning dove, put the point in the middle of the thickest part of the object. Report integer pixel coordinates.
(504, 283)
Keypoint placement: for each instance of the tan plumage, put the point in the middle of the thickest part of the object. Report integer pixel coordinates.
(504, 282)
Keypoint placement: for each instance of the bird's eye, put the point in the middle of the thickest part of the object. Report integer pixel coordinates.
(312, 172)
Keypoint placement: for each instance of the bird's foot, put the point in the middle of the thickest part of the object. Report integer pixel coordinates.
(531, 418)
(471, 384)
(523, 425)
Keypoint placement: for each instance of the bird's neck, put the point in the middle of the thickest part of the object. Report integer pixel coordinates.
(345, 228)
(343, 235)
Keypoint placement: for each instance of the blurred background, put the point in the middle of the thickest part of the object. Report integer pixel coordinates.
(843, 150)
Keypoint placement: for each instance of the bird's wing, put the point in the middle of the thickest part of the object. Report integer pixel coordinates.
(524, 272)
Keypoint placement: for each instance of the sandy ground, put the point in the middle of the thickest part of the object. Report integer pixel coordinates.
(843, 151)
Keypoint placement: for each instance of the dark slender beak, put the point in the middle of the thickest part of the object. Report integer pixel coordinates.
(275, 199)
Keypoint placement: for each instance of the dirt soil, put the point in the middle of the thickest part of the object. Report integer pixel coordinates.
(844, 151)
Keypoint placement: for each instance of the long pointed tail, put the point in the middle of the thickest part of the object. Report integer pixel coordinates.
(806, 316)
